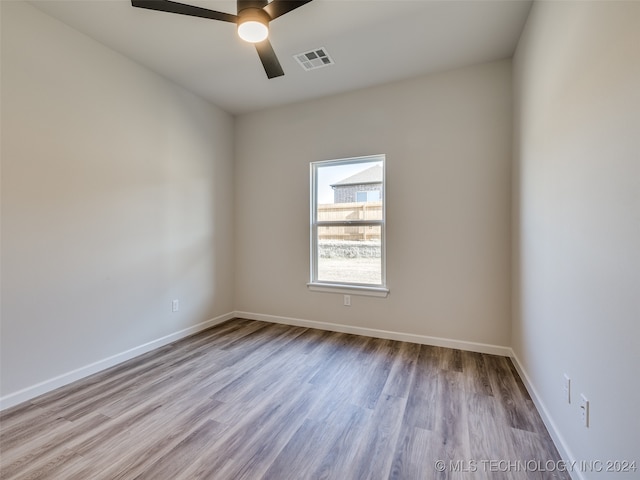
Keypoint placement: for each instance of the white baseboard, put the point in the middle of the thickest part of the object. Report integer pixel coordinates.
(386, 334)
(557, 438)
(66, 378)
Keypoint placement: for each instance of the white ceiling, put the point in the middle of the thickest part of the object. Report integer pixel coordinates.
(371, 41)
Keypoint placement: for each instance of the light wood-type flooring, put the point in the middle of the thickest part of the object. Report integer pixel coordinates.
(253, 400)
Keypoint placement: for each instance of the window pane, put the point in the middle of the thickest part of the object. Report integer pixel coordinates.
(350, 254)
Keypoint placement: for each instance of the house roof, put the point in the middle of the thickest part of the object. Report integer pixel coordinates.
(370, 175)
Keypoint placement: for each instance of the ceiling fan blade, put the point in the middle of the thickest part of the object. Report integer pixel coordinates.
(182, 9)
(278, 8)
(269, 60)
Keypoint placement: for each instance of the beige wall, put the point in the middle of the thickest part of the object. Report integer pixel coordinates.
(447, 138)
(577, 219)
(116, 199)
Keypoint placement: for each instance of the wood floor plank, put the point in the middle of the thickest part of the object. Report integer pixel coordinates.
(22, 415)
(450, 359)
(421, 406)
(343, 349)
(184, 453)
(45, 449)
(452, 423)
(258, 374)
(482, 411)
(402, 370)
(340, 435)
(505, 386)
(476, 376)
(153, 439)
(372, 460)
(18, 435)
(243, 450)
(415, 460)
(379, 362)
(249, 400)
(54, 467)
(531, 449)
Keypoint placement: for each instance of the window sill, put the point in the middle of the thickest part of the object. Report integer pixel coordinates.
(348, 289)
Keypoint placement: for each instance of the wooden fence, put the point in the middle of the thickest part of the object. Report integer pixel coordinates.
(350, 211)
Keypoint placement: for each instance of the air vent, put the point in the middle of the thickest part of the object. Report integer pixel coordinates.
(313, 59)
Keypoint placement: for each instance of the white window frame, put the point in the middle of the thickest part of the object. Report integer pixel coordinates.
(375, 290)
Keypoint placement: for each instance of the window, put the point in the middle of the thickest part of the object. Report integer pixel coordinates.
(348, 226)
(373, 196)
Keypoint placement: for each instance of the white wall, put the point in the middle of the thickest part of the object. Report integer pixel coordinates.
(577, 221)
(447, 138)
(116, 198)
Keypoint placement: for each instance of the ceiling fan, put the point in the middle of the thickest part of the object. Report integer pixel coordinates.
(253, 19)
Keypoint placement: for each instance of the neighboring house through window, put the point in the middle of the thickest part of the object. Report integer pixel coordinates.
(364, 186)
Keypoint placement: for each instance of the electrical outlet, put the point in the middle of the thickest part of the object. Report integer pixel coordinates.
(567, 388)
(347, 300)
(584, 410)
(175, 305)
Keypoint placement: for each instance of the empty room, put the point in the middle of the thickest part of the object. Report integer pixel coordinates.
(337, 239)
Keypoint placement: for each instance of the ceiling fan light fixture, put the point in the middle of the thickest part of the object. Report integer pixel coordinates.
(253, 32)
(253, 25)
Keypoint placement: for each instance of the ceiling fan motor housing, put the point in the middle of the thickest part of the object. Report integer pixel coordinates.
(252, 5)
(253, 15)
